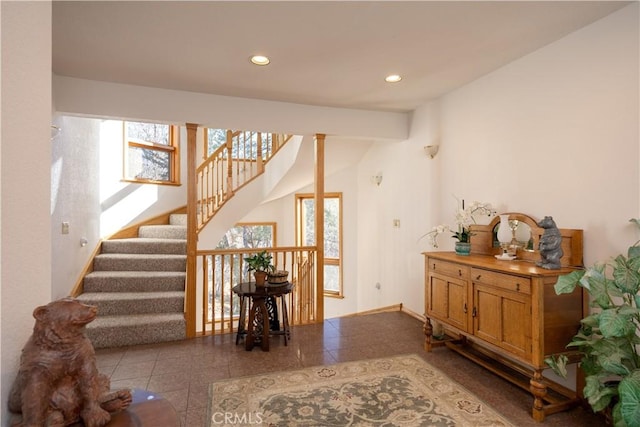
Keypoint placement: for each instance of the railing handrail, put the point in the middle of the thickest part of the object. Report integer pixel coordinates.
(254, 250)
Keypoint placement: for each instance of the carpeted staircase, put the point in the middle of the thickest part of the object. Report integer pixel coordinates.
(138, 286)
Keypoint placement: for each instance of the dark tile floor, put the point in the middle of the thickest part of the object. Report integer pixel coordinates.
(182, 371)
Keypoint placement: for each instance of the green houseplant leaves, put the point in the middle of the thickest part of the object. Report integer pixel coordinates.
(260, 261)
(609, 337)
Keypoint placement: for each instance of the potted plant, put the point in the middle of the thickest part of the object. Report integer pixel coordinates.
(609, 337)
(260, 264)
(465, 217)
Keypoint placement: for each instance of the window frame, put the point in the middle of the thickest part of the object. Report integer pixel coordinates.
(327, 260)
(172, 148)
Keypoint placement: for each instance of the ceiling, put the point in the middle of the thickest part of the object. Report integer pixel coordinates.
(329, 53)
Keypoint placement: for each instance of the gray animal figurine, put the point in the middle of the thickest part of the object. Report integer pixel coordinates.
(550, 245)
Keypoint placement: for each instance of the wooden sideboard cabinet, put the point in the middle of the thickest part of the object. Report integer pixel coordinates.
(505, 315)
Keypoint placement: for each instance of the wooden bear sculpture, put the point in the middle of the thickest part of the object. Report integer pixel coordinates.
(550, 245)
(58, 383)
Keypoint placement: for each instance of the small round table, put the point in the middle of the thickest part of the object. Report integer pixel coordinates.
(263, 313)
(146, 409)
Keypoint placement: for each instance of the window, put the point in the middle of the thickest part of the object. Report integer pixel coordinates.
(249, 235)
(214, 138)
(151, 153)
(305, 236)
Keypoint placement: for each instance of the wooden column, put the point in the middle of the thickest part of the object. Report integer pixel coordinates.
(319, 223)
(229, 187)
(192, 235)
(259, 158)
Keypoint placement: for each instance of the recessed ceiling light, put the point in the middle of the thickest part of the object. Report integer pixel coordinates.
(260, 60)
(393, 78)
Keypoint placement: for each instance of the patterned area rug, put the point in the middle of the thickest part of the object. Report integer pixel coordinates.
(395, 391)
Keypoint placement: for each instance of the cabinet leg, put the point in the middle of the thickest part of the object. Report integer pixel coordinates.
(539, 391)
(428, 334)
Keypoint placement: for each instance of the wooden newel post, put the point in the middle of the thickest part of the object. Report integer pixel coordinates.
(192, 234)
(319, 223)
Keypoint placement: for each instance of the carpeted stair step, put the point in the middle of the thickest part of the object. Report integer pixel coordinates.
(118, 331)
(145, 246)
(139, 262)
(120, 303)
(134, 281)
(163, 231)
(178, 219)
(138, 286)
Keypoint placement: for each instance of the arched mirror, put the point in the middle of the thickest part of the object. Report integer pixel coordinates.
(522, 238)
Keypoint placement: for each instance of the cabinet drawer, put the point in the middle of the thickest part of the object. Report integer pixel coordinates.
(448, 268)
(502, 280)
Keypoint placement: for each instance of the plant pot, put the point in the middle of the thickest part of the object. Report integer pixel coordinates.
(463, 248)
(261, 277)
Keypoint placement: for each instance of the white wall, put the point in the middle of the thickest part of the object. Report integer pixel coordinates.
(101, 99)
(553, 133)
(25, 153)
(74, 199)
(387, 254)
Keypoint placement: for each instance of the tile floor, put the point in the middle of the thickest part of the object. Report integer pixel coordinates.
(182, 371)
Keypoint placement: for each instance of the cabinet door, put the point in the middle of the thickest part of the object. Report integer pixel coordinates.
(503, 318)
(446, 299)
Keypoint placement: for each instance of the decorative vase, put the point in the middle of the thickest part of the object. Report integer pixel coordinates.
(504, 231)
(261, 277)
(463, 248)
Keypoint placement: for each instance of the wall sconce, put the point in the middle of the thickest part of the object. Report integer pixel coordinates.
(377, 179)
(431, 150)
(55, 131)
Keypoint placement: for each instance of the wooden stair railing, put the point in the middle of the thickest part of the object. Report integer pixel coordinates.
(233, 165)
(225, 268)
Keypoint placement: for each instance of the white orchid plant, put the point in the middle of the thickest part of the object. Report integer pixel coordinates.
(465, 217)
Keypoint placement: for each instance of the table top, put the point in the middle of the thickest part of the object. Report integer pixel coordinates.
(250, 289)
(517, 266)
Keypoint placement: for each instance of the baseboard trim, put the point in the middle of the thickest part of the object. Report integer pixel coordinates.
(413, 313)
(396, 307)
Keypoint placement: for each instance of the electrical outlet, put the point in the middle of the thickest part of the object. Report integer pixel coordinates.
(396, 223)
(65, 227)
(378, 286)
